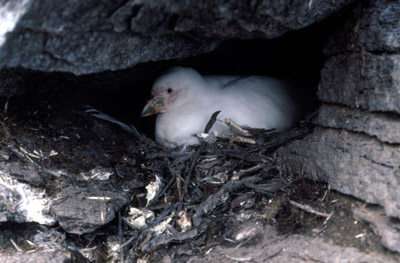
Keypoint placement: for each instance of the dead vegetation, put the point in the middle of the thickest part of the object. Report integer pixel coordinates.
(207, 181)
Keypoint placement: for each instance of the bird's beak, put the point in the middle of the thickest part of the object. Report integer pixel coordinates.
(153, 107)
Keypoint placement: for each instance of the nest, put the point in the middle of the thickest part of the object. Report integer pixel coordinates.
(193, 189)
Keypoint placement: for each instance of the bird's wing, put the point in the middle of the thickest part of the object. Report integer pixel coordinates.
(235, 81)
(219, 82)
(258, 102)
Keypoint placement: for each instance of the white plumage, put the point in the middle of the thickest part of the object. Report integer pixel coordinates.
(185, 101)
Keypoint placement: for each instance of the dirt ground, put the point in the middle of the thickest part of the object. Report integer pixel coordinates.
(290, 217)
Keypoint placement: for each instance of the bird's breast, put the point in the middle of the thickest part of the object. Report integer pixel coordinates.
(181, 127)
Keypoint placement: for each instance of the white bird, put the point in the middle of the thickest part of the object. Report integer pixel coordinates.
(184, 101)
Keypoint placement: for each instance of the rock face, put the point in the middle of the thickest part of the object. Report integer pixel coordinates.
(384, 126)
(51, 256)
(290, 250)
(352, 163)
(22, 202)
(362, 80)
(357, 150)
(96, 36)
(355, 146)
(374, 26)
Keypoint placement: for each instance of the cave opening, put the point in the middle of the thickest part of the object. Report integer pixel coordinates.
(296, 57)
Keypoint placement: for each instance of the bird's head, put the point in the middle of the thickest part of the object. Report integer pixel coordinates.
(172, 90)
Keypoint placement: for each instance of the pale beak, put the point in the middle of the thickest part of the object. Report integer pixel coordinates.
(153, 107)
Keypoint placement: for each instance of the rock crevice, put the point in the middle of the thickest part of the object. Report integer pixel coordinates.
(97, 36)
(356, 145)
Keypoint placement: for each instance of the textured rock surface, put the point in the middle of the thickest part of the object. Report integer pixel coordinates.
(358, 152)
(20, 201)
(352, 163)
(373, 26)
(384, 126)
(229, 19)
(388, 229)
(276, 249)
(362, 80)
(95, 36)
(50, 256)
(10, 13)
(78, 209)
(82, 210)
(363, 70)
(32, 243)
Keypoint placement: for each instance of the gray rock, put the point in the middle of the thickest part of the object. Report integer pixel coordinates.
(81, 210)
(50, 256)
(80, 206)
(388, 229)
(296, 248)
(228, 19)
(373, 26)
(369, 76)
(358, 151)
(80, 38)
(19, 201)
(96, 36)
(10, 13)
(34, 243)
(383, 125)
(362, 80)
(78, 209)
(352, 163)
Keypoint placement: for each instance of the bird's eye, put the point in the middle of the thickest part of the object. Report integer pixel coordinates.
(169, 90)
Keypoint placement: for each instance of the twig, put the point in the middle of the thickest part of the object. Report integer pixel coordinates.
(170, 183)
(309, 209)
(241, 173)
(15, 245)
(328, 218)
(122, 246)
(275, 254)
(325, 195)
(144, 231)
(219, 197)
(120, 235)
(241, 139)
(189, 172)
(5, 109)
(179, 186)
(246, 259)
(234, 127)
